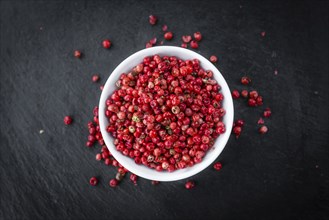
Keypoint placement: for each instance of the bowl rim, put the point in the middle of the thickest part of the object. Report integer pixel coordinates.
(180, 174)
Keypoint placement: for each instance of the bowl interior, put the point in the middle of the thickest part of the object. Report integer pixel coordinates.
(142, 170)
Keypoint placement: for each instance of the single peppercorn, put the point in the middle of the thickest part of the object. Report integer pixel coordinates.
(186, 38)
(168, 35)
(153, 19)
(189, 185)
(93, 181)
(194, 44)
(235, 94)
(244, 93)
(95, 78)
(245, 80)
(164, 27)
(213, 59)
(184, 45)
(68, 120)
(263, 129)
(197, 36)
(106, 44)
(267, 113)
(217, 166)
(77, 54)
(113, 182)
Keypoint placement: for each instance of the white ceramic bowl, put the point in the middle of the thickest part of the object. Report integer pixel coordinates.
(142, 170)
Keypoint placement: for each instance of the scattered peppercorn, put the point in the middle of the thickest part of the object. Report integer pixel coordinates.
(95, 78)
(77, 54)
(168, 35)
(68, 120)
(218, 166)
(93, 181)
(153, 19)
(213, 59)
(107, 44)
(189, 185)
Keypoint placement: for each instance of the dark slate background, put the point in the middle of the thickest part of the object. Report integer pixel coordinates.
(281, 175)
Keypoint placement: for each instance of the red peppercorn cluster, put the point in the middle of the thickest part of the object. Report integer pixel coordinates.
(194, 43)
(166, 113)
(254, 99)
(237, 127)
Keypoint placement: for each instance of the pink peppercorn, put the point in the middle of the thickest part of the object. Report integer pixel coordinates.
(197, 36)
(235, 94)
(68, 120)
(245, 80)
(186, 38)
(184, 45)
(213, 59)
(95, 78)
(244, 93)
(164, 27)
(267, 113)
(217, 166)
(260, 121)
(133, 178)
(189, 185)
(98, 157)
(77, 54)
(168, 35)
(113, 182)
(153, 19)
(106, 44)
(263, 129)
(93, 181)
(194, 44)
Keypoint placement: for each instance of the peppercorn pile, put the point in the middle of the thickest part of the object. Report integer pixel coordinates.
(166, 113)
(183, 116)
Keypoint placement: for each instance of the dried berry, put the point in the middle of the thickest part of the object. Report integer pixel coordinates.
(217, 166)
(164, 28)
(194, 44)
(106, 44)
(153, 19)
(267, 113)
(235, 94)
(245, 80)
(244, 93)
(260, 121)
(113, 182)
(68, 120)
(168, 35)
(263, 129)
(95, 78)
(197, 36)
(186, 38)
(93, 181)
(152, 115)
(189, 185)
(213, 59)
(77, 54)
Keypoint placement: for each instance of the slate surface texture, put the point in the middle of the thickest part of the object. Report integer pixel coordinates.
(281, 175)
